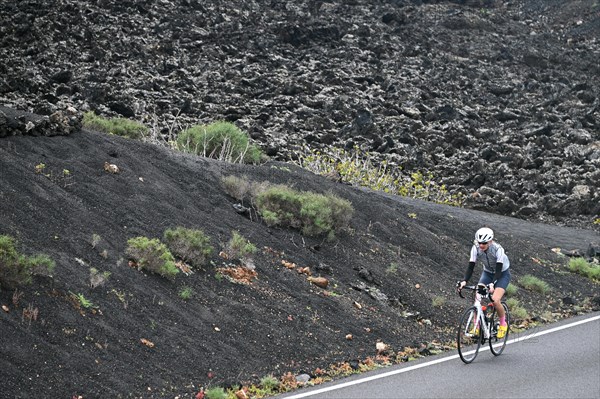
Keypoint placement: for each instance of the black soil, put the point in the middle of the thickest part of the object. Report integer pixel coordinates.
(396, 257)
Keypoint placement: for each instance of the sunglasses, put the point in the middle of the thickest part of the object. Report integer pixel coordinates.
(484, 243)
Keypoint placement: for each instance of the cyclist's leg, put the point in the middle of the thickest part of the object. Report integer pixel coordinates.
(486, 278)
(499, 290)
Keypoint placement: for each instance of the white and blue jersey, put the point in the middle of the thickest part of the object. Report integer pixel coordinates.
(492, 255)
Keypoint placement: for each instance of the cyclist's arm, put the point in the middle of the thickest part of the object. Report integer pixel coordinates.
(498, 273)
(472, 260)
(469, 271)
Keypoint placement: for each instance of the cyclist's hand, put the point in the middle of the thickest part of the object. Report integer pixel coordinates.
(460, 285)
(491, 288)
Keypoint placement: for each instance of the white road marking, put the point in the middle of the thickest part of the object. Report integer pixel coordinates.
(441, 360)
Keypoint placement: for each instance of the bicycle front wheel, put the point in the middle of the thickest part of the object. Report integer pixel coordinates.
(468, 338)
(497, 344)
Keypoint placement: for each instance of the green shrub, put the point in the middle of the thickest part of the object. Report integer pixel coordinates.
(82, 300)
(280, 205)
(192, 246)
(215, 393)
(152, 255)
(186, 293)
(392, 268)
(359, 169)
(239, 188)
(119, 126)
(269, 384)
(239, 247)
(17, 269)
(516, 310)
(581, 266)
(530, 282)
(512, 289)
(438, 301)
(219, 140)
(314, 214)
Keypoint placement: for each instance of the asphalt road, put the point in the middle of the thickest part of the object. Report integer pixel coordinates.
(561, 360)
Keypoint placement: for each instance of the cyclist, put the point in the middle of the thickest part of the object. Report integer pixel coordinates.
(495, 274)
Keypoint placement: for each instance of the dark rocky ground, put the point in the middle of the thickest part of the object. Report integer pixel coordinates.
(498, 99)
(495, 98)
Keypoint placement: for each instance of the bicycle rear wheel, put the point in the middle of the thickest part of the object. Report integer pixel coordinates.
(468, 339)
(497, 344)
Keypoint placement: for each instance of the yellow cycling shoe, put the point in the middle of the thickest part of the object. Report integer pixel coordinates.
(501, 331)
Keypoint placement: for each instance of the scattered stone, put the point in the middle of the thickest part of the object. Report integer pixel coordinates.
(302, 378)
(321, 282)
(568, 300)
(381, 348)
(111, 168)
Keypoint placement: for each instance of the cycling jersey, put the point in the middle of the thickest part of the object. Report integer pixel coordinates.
(492, 255)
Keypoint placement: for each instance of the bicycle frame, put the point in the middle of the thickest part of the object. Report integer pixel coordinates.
(482, 321)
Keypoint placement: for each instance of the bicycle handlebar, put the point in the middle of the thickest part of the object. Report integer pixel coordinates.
(485, 291)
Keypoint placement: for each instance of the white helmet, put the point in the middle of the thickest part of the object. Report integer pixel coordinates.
(484, 235)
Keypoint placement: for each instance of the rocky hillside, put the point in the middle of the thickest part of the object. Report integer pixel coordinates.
(99, 327)
(497, 99)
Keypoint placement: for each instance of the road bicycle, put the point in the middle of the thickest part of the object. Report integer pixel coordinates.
(479, 324)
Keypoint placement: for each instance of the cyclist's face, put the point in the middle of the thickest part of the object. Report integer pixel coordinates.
(484, 245)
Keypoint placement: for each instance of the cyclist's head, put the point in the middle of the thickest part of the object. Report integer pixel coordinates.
(484, 235)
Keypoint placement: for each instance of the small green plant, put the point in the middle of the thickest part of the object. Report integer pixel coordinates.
(516, 310)
(581, 266)
(95, 240)
(97, 278)
(186, 293)
(153, 324)
(392, 268)
(66, 178)
(220, 140)
(122, 296)
(215, 393)
(152, 255)
(239, 188)
(119, 126)
(17, 269)
(40, 168)
(530, 282)
(239, 247)
(190, 245)
(438, 301)
(82, 300)
(512, 289)
(269, 384)
(596, 221)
